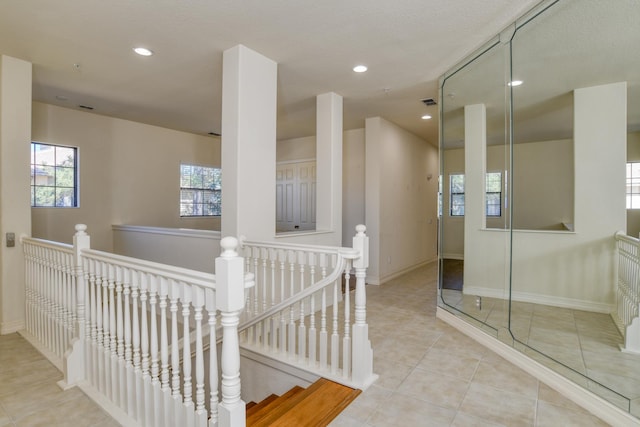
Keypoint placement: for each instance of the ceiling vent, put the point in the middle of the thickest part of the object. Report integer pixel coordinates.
(429, 101)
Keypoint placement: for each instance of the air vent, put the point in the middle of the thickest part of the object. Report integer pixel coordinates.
(86, 107)
(429, 101)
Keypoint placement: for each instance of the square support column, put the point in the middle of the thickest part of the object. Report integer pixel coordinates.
(249, 98)
(329, 163)
(15, 203)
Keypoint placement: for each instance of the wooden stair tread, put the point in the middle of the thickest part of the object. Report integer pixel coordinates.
(253, 407)
(269, 404)
(315, 406)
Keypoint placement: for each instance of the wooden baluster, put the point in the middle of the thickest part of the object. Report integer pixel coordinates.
(213, 357)
(153, 328)
(291, 347)
(164, 339)
(335, 343)
(186, 347)
(93, 320)
(144, 331)
(198, 303)
(323, 315)
(283, 329)
(312, 312)
(273, 334)
(346, 340)
(302, 329)
(175, 344)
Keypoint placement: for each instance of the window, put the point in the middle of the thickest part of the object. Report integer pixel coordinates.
(456, 185)
(54, 175)
(494, 193)
(633, 185)
(439, 196)
(200, 191)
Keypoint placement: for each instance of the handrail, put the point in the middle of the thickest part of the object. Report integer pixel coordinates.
(206, 280)
(330, 279)
(49, 244)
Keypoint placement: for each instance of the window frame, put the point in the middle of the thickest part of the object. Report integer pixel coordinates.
(452, 193)
(629, 181)
(487, 193)
(201, 192)
(56, 168)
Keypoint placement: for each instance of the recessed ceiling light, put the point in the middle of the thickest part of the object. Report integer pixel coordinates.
(426, 117)
(515, 83)
(143, 51)
(360, 68)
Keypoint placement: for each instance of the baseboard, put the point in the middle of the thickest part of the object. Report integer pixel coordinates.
(48, 354)
(11, 327)
(398, 273)
(453, 256)
(572, 391)
(553, 301)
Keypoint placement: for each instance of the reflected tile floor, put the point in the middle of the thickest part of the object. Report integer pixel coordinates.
(433, 375)
(584, 346)
(29, 395)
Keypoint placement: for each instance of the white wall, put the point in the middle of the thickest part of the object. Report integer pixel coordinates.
(15, 215)
(129, 174)
(565, 269)
(401, 202)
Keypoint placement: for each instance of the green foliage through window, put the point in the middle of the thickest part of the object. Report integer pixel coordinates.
(456, 186)
(54, 179)
(494, 193)
(200, 191)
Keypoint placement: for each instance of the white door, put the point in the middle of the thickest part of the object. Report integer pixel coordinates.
(296, 196)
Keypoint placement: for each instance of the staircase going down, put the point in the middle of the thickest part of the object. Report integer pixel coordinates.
(314, 406)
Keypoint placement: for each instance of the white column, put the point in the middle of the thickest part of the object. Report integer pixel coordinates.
(249, 94)
(329, 163)
(15, 208)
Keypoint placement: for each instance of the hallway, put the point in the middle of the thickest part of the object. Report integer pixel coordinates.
(433, 375)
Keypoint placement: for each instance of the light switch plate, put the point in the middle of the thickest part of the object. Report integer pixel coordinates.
(11, 240)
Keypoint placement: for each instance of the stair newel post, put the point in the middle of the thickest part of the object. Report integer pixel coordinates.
(74, 360)
(230, 288)
(362, 370)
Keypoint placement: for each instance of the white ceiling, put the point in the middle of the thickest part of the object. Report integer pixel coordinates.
(81, 50)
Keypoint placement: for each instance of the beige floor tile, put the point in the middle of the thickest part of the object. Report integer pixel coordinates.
(549, 415)
(489, 403)
(79, 412)
(402, 410)
(507, 377)
(464, 420)
(5, 419)
(452, 364)
(434, 387)
(367, 402)
(391, 374)
(27, 400)
(344, 420)
(549, 395)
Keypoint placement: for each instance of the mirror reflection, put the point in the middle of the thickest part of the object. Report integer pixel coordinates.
(543, 125)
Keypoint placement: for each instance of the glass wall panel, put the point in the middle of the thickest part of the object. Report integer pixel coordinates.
(539, 131)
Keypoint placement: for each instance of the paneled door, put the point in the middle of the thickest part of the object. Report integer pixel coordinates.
(296, 196)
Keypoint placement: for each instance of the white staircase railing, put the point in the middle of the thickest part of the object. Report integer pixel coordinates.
(118, 324)
(136, 332)
(296, 313)
(627, 314)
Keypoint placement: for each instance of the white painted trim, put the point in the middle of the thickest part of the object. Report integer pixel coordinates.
(290, 162)
(550, 300)
(11, 327)
(572, 391)
(453, 256)
(182, 232)
(110, 408)
(391, 276)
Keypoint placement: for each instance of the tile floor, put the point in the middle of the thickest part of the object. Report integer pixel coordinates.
(430, 375)
(433, 375)
(30, 397)
(582, 345)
